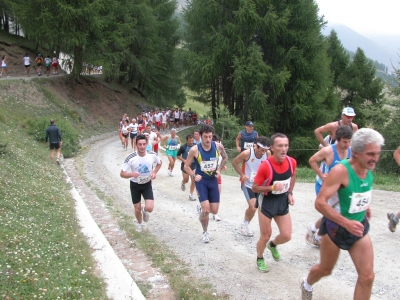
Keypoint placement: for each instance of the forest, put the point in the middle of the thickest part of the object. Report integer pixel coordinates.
(260, 60)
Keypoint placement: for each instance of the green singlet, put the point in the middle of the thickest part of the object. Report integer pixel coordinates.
(355, 199)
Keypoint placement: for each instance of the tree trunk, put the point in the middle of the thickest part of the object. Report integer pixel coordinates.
(78, 57)
(6, 23)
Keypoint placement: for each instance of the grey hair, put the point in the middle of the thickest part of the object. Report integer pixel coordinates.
(365, 136)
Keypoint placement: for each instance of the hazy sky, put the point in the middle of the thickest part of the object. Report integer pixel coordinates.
(363, 16)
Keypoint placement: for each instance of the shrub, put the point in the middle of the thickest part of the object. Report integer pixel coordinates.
(70, 136)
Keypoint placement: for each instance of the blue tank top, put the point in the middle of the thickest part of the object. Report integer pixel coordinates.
(248, 139)
(207, 161)
(325, 169)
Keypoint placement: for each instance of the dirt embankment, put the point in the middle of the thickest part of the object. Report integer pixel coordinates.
(229, 260)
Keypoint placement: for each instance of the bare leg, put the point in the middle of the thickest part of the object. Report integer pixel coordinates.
(285, 229)
(265, 233)
(251, 210)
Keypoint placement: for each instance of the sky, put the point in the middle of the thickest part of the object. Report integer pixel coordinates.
(370, 17)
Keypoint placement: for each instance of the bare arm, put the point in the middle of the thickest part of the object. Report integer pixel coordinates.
(224, 156)
(396, 156)
(238, 138)
(336, 178)
(291, 187)
(321, 155)
(238, 160)
(320, 131)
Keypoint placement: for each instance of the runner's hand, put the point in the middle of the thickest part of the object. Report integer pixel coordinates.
(245, 178)
(218, 174)
(153, 175)
(354, 227)
(238, 149)
(279, 186)
(197, 178)
(290, 199)
(135, 174)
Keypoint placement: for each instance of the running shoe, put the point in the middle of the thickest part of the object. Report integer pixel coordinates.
(305, 295)
(140, 227)
(244, 230)
(146, 215)
(393, 221)
(274, 251)
(262, 267)
(58, 161)
(310, 237)
(205, 238)
(216, 217)
(183, 187)
(199, 210)
(191, 197)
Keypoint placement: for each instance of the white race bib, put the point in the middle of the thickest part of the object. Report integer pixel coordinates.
(253, 174)
(143, 179)
(359, 202)
(207, 166)
(248, 145)
(172, 147)
(285, 187)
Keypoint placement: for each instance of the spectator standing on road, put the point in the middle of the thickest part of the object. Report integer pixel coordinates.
(53, 134)
(4, 66)
(27, 63)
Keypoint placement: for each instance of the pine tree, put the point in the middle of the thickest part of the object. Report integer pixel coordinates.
(339, 57)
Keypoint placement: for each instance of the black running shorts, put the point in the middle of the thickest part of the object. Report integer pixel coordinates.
(139, 190)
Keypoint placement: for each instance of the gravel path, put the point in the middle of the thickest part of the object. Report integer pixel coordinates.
(228, 261)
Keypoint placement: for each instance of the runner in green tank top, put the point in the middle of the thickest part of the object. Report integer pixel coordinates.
(348, 230)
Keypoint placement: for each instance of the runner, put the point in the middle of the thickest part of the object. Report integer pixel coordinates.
(157, 119)
(27, 64)
(4, 66)
(348, 115)
(197, 136)
(164, 121)
(393, 217)
(138, 167)
(47, 63)
(329, 157)
(133, 132)
(250, 160)
(141, 124)
(348, 230)
(246, 138)
(190, 116)
(171, 145)
(182, 156)
(156, 139)
(54, 64)
(171, 119)
(125, 133)
(205, 155)
(53, 134)
(274, 182)
(39, 61)
(176, 117)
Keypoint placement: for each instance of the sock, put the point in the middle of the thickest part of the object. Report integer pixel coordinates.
(317, 237)
(271, 243)
(313, 228)
(260, 258)
(307, 286)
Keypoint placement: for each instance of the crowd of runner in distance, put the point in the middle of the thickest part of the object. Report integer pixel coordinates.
(343, 166)
(50, 65)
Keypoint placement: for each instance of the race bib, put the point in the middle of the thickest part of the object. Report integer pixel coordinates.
(143, 179)
(207, 166)
(286, 184)
(253, 174)
(360, 202)
(172, 147)
(248, 145)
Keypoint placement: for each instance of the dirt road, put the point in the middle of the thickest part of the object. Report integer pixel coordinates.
(229, 260)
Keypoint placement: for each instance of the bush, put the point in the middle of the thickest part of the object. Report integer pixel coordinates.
(70, 136)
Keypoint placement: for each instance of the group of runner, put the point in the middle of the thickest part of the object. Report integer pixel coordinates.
(343, 187)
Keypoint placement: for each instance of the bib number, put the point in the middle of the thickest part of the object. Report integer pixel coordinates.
(286, 184)
(143, 179)
(208, 166)
(360, 202)
(172, 147)
(253, 174)
(248, 145)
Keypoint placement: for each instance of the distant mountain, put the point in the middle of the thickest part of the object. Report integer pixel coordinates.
(351, 40)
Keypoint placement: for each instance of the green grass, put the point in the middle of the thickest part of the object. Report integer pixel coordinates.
(199, 108)
(43, 254)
